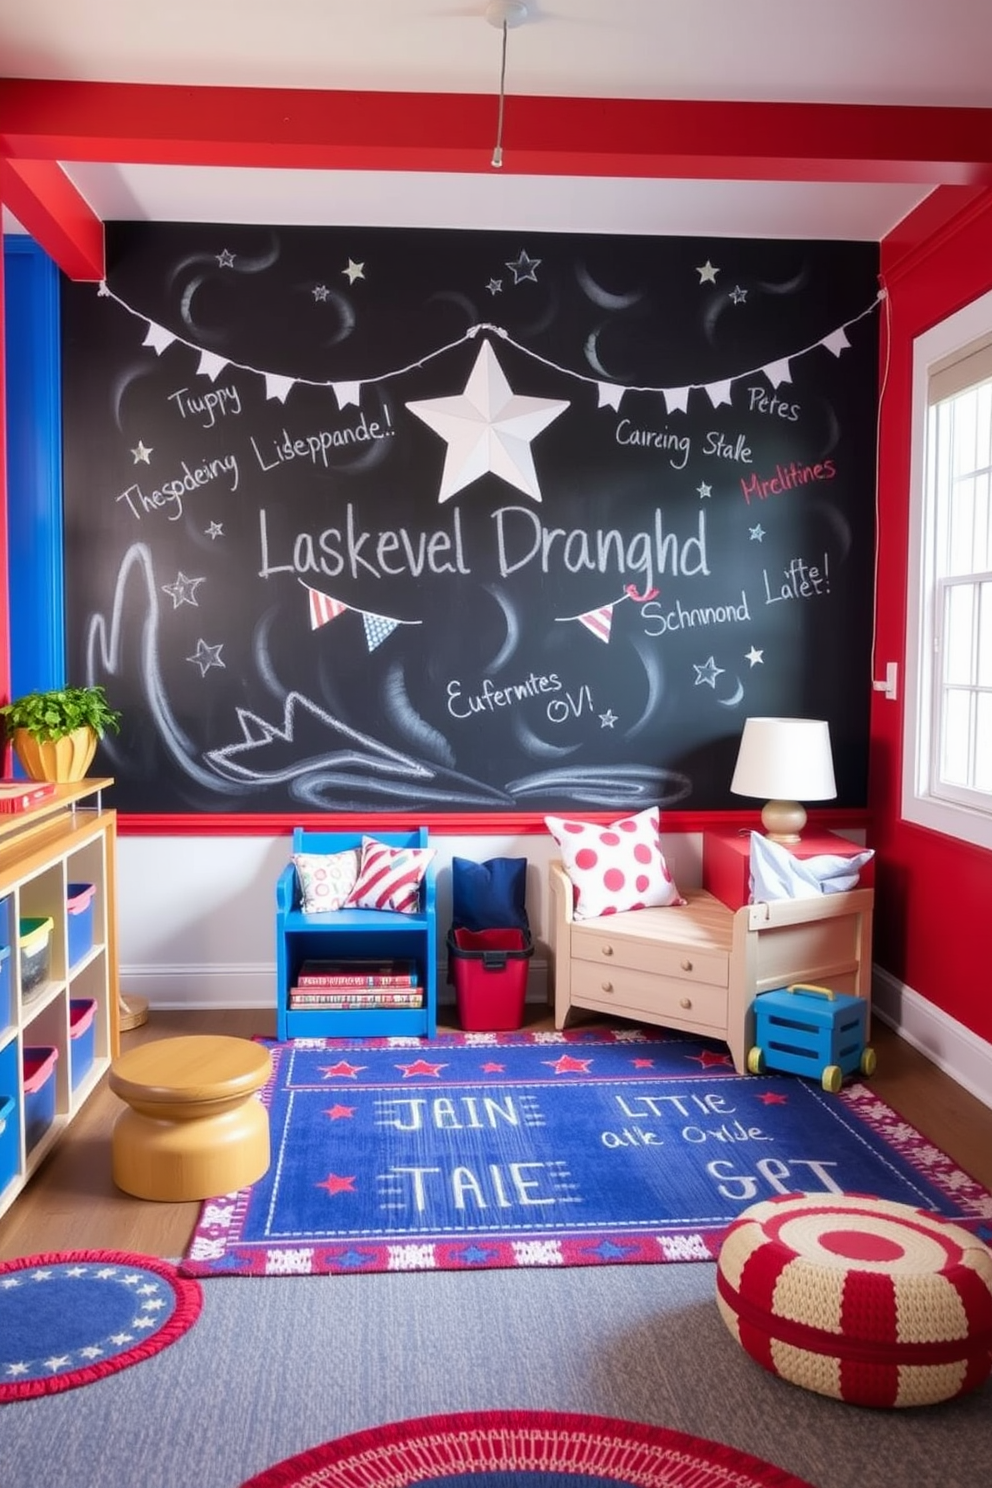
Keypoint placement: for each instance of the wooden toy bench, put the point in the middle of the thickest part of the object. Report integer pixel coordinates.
(699, 966)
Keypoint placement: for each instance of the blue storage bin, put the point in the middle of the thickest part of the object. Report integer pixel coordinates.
(811, 1031)
(9, 1154)
(79, 925)
(39, 1091)
(6, 1002)
(82, 1036)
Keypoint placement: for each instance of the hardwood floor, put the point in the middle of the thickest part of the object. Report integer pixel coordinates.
(72, 1204)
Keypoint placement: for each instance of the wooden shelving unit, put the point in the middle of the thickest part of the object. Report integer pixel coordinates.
(69, 838)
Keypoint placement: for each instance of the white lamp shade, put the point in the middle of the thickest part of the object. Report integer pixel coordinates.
(785, 758)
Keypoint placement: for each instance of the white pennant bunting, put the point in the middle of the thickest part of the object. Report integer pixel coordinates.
(158, 337)
(609, 395)
(719, 392)
(676, 399)
(836, 342)
(277, 387)
(211, 365)
(599, 622)
(347, 392)
(778, 372)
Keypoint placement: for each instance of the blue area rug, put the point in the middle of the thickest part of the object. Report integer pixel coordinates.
(587, 1147)
(71, 1318)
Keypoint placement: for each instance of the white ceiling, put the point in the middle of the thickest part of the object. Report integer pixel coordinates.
(892, 52)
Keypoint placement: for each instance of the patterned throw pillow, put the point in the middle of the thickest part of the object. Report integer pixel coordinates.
(389, 877)
(617, 866)
(326, 879)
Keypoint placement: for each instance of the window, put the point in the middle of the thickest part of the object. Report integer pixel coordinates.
(948, 730)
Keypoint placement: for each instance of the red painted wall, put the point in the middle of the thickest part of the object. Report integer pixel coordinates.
(933, 903)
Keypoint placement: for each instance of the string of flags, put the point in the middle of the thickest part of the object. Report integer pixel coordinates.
(324, 608)
(599, 621)
(278, 385)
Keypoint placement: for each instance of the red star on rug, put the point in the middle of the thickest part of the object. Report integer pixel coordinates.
(642, 1063)
(492, 1068)
(567, 1065)
(335, 1184)
(342, 1069)
(420, 1067)
(773, 1098)
(337, 1113)
(707, 1059)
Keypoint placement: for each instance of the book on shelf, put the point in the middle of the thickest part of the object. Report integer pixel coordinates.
(357, 973)
(18, 795)
(341, 999)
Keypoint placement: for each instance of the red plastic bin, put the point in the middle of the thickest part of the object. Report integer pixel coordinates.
(489, 970)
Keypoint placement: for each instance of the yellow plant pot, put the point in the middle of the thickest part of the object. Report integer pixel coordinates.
(62, 759)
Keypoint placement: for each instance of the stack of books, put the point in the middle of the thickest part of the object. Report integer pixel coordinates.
(356, 983)
(18, 795)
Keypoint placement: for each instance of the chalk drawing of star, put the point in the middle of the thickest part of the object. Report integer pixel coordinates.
(339, 1113)
(523, 267)
(354, 271)
(708, 1058)
(567, 1065)
(704, 490)
(335, 1184)
(757, 534)
(754, 656)
(141, 454)
(183, 591)
(707, 273)
(342, 1068)
(216, 529)
(488, 428)
(321, 292)
(420, 1067)
(773, 1098)
(206, 656)
(225, 259)
(708, 672)
(607, 719)
(738, 295)
(495, 286)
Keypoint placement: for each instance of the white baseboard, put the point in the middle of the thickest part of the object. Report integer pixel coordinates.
(949, 1045)
(203, 988)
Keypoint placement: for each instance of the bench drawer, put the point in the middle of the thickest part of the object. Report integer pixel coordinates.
(674, 1001)
(683, 962)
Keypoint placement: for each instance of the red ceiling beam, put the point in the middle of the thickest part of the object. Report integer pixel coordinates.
(170, 125)
(49, 207)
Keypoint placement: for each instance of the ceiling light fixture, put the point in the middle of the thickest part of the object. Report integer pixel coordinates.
(504, 14)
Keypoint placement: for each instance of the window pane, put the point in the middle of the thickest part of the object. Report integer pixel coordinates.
(983, 743)
(984, 671)
(956, 732)
(959, 635)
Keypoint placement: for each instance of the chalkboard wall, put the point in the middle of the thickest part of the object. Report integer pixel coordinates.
(454, 521)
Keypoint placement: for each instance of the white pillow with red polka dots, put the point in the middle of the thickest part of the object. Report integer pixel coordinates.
(614, 866)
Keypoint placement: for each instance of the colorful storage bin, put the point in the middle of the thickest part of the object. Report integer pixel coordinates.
(82, 1035)
(9, 1140)
(79, 924)
(39, 1091)
(35, 947)
(489, 969)
(6, 1002)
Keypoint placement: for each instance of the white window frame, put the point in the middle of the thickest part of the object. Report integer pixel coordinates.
(964, 818)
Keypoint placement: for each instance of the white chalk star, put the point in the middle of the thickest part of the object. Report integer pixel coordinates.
(708, 672)
(206, 656)
(141, 454)
(354, 271)
(704, 490)
(216, 529)
(321, 291)
(607, 719)
(523, 267)
(183, 591)
(754, 656)
(707, 273)
(488, 428)
(495, 286)
(225, 259)
(738, 295)
(757, 533)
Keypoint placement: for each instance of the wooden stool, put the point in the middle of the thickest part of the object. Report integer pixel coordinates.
(193, 1128)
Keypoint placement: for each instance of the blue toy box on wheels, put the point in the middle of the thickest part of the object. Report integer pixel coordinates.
(813, 1031)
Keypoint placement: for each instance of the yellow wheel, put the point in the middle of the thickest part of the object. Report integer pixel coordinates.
(868, 1061)
(832, 1078)
(756, 1061)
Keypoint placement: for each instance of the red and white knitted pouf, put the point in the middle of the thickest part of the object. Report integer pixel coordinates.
(871, 1302)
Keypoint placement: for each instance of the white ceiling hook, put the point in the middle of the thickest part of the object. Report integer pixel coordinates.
(506, 12)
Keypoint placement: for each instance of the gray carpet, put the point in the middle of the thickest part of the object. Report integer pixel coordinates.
(276, 1365)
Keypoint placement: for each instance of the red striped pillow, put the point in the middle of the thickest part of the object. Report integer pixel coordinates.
(390, 877)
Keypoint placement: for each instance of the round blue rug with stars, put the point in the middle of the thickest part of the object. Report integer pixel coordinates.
(523, 1449)
(71, 1318)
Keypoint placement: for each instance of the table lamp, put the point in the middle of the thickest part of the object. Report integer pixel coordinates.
(785, 761)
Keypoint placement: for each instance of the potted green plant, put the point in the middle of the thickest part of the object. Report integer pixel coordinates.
(55, 733)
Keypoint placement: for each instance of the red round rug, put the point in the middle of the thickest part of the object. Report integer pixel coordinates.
(77, 1316)
(523, 1449)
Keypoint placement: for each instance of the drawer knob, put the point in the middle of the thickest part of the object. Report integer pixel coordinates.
(686, 965)
(607, 950)
(608, 987)
(686, 1002)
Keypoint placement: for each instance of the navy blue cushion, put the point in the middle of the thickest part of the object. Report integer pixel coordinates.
(490, 895)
